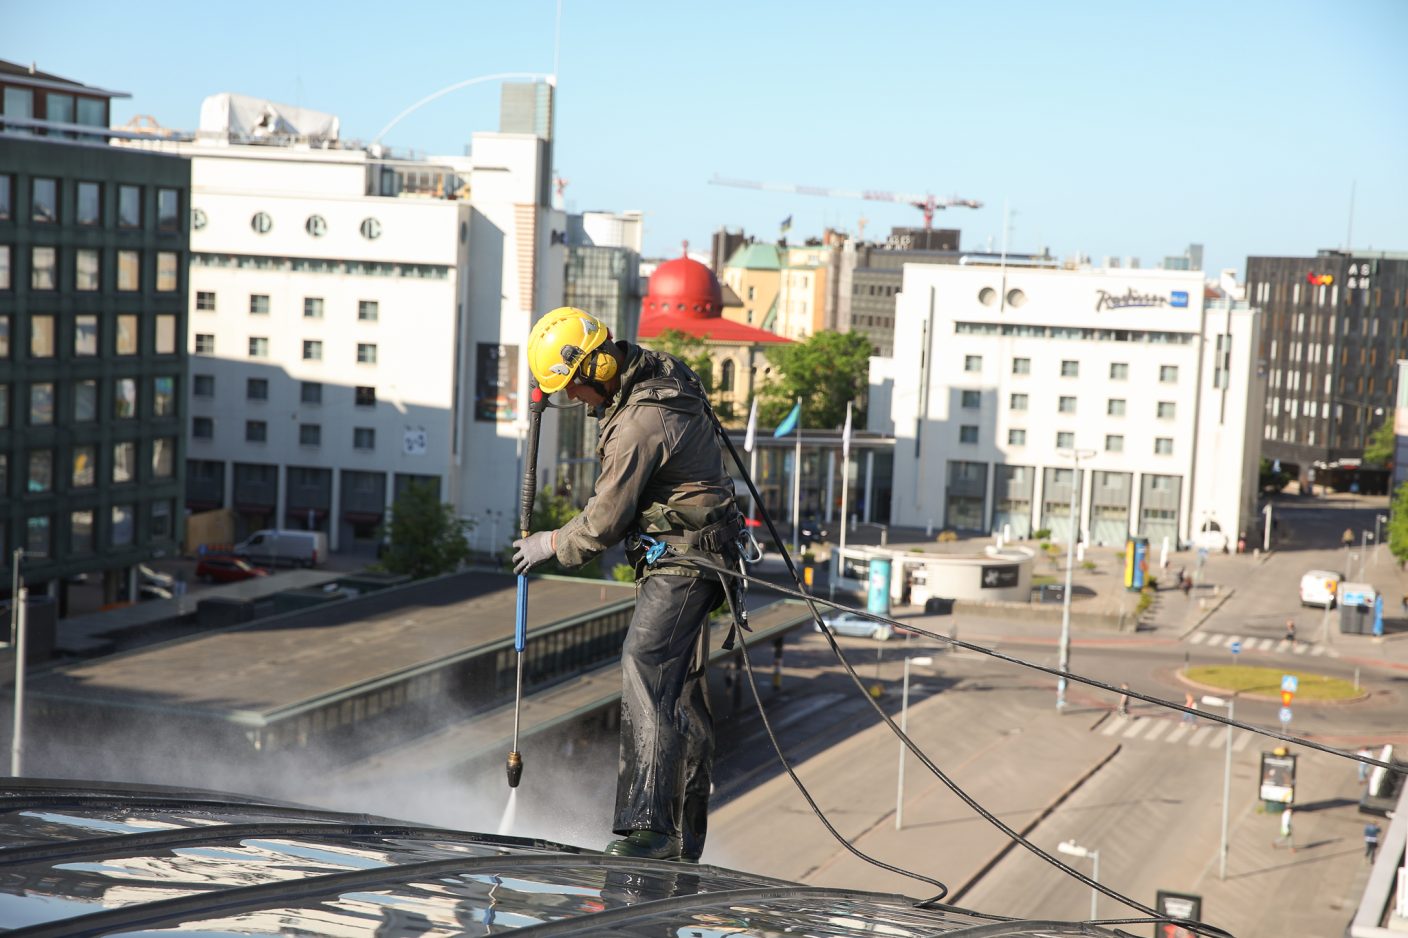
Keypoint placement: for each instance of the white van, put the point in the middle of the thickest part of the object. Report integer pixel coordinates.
(1318, 588)
(272, 548)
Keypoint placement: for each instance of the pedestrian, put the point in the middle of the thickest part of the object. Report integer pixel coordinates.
(1291, 631)
(1124, 700)
(1192, 704)
(1185, 583)
(1364, 753)
(662, 481)
(1287, 837)
(1347, 538)
(1371, 840)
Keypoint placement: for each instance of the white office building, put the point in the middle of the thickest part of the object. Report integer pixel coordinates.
(357, 321)
(1000, 375)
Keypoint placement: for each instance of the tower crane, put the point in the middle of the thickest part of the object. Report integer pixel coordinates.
(928, 204)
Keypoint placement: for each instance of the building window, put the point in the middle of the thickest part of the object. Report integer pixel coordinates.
(41, 404)
(1119, 371)
(312, 307)
(36, 540)
(971, 399)
(972, 363)
(1018, 402)
(80, 531)
(125, 398)
(1114, 443)
(312, 350)
(163, 457)
(85, 270)
(162, 512)
(6, 281)
(1166, 410)
(125, 338)
(205, 301)
(90, 204)
(311, 392)
(1168, 374)
(163, 396)
(726, 375)
(7, 196)
(41, 471)
(310, 434)
(259, 304)
(366, 397)
(59, 109)
(368, 310)
(166, 274)
(202, 428)
(1115, 407)
(1070, 369)
(1163, 446)
(85, 401)
(41, 337)
(168, 210)
(85, 336)
(205, 343)
(1017, 437)
(164, 341)
(1021, 366)
(968, 433)
(44, 205)
(363, 438)
(1066, 405)
(256, 389)
(124, 462)
(255, 431)
(1065, 440)
(129, 270)
(203, 385)
(258, 346)
(43, 268)
(123, 525)
(129, 206)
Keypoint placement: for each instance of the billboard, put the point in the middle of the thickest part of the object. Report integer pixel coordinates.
(1179, 905)
(1000, 577)
(496, 383)
(1278, 778)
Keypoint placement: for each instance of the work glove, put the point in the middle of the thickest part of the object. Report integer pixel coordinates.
(532, 550)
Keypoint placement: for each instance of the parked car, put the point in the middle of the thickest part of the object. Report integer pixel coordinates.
(848, 623)
(277, 548)
(1318, 588)
(227, 568)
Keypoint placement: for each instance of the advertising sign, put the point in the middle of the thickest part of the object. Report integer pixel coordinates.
(496, 383)
(1000, 577)
(1136, 562)
(1181, 905)
(878, 595)
(1278, 778)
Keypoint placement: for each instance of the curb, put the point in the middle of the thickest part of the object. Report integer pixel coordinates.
(996, 858)
(1222, 598)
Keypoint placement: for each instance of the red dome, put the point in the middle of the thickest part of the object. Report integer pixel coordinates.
(684, 287)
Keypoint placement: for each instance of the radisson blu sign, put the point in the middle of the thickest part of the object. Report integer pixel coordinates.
(1177, 299)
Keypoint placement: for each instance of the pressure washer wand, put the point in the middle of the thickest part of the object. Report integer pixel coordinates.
(537, 403)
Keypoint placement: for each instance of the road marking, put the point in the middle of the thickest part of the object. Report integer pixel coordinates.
(1115, 726)
(1216, 638)
(1158, 729)
(1135, 728)
(1317, 651)
(1179, 733)
(1282, 645)
(1199, 736)
(1300, 649)
(1198, 638)
(1241, 741)
(1264, 645)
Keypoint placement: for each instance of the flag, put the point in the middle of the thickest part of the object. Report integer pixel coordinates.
(752, 433)
(846, 435)
(789, 423)
(786, 225)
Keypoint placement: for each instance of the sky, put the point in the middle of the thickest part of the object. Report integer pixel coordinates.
(1105, 128)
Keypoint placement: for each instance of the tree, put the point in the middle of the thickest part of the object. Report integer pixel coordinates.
(1270, 480)
(825, 371)
(1398, 524)
(1379, 449)
(424, 537)
(692, 351)
(550, 512)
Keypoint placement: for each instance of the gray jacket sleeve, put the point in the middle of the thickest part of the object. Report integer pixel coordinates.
(630, 456)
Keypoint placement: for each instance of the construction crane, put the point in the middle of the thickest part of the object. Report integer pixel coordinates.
(928, 204)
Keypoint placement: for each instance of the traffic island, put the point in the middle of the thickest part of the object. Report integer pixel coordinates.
(1248, 682)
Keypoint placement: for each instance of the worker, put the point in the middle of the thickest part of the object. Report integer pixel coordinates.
(662, 481)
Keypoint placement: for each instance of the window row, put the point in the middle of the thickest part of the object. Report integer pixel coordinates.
(204, 344)
(81, 334)
(1114, 442)
(43, 470)
(257, 389)
(259, 305)
(309, 434)
(1066, 404)
(1119, 371)
(315, 265)
(41, 402)
(1074, 333)
(88, 273)
(83, 537)
(125, 204)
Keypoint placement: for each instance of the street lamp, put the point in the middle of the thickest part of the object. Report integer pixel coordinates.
(1364, 537)
(1076, 850)
(904, 728)
(1229, 703)
(1378, 520)
(1076, 455)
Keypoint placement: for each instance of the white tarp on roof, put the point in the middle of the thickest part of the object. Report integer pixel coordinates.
(242, 116)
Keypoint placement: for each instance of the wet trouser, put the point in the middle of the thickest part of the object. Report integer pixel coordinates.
(667, 731)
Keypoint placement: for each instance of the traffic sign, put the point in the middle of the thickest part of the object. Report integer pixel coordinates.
(1235, 646)
(1290, 682)
(1286, 698)
(1285, 714)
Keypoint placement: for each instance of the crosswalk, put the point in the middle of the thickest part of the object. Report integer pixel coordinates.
(1194, 735)
(1279, 646)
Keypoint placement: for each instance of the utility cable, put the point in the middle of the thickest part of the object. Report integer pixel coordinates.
(953, 786)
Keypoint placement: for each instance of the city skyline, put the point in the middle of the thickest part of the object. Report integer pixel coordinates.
(1150, 130)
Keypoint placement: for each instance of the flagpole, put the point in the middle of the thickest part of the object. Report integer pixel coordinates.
(750, 443)
(797, 486)
(845, 475)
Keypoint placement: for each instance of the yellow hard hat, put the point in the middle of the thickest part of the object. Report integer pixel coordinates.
(559, 343)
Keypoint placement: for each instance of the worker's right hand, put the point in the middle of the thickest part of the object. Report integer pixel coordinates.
(532, 550)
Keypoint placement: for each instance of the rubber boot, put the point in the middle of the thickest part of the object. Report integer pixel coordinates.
(647, 845)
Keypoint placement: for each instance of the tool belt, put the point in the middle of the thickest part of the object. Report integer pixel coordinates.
(669, 551)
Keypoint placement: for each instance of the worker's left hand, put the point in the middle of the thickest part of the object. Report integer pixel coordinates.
(532, 550)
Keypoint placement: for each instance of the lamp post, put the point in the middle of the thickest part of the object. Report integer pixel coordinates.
(1229, 703)
(1074, 849)
(1076, 455)
(904, 728)
(1364, 537)
(1378, 520)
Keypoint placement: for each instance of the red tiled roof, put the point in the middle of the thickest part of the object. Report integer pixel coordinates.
(715, 328)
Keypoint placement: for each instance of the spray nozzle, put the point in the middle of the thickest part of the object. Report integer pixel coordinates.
(514, 768)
